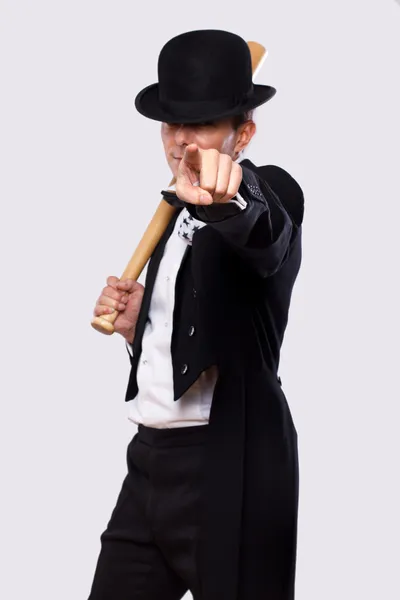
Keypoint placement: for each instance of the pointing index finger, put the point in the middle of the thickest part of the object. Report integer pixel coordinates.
(192, 156)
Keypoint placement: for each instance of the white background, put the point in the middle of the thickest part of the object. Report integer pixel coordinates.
(81, 172)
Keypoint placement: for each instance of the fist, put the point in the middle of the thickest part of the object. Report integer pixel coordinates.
(125, 297)
(207, 176)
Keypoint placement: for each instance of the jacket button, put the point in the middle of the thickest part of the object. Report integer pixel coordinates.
(191, 330)
(184, 369)
(194, 293)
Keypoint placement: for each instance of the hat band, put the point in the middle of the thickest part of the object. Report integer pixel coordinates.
(199, 108)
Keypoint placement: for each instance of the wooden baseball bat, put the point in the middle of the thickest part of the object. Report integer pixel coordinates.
(160, 220)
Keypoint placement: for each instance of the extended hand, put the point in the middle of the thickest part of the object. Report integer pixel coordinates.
(216, 175)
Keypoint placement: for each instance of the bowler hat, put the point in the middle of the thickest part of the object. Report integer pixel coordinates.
(202, 75)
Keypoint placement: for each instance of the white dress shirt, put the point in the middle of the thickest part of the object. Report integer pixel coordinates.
(154, 404)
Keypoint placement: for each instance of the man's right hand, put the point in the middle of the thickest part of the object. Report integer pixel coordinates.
(126, 297)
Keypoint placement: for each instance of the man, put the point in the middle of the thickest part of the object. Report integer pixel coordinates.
(210, 500)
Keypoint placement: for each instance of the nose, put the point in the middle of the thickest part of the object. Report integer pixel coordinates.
(184, 135)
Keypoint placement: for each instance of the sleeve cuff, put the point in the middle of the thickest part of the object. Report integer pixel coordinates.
(239, 201)
(234, 220)
(213, 213)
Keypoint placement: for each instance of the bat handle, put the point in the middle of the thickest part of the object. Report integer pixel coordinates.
(104, 323)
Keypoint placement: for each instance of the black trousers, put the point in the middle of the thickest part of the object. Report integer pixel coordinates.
(149, 548)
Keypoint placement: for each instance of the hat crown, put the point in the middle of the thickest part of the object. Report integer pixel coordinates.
(204, 65)
(203, 75)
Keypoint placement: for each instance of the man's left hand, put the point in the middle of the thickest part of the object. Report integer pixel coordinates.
(207, 176)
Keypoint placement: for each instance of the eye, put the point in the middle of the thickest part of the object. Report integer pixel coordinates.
(206, 124)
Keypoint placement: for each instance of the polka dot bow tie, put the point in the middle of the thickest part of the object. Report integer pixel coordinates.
(188, 226)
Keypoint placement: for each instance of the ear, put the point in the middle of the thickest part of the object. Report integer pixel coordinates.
(245, 133)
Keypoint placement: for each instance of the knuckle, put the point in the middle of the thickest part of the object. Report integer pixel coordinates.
(208, 187)
(112, 280)
(125, 282)
(221, 190)
(232, 192)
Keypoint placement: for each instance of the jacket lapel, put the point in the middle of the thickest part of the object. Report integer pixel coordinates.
(151, 275)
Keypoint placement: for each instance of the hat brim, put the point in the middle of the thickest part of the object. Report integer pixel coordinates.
(148, 104)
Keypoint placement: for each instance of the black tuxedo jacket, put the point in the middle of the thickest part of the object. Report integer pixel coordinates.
(233, 293)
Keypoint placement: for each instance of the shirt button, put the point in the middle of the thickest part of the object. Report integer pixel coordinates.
(184, 369)
(191, 330)
(144, 362)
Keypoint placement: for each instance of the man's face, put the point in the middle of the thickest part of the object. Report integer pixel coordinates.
(211, 134)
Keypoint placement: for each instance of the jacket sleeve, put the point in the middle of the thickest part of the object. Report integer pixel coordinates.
(262, 233)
